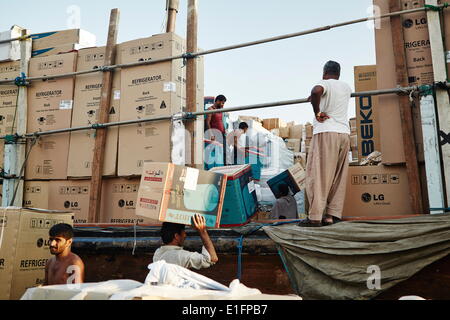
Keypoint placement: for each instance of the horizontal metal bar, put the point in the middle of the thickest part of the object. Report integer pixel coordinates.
(222, 49)
(190, 116)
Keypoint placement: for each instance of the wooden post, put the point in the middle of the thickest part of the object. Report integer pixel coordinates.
(191, 80)
(172, 10)
(14, 156)
(442, 99)
(412, 166)
(100, 139)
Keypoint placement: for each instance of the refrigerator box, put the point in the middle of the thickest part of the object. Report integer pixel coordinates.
(367, 122)
(64, 48)
(377, 191)
(173, 193)
(25, 248)
(87, 96)
(72, 195)
(119, 202)
(240, 196)
(294, 177)
(50, 105)
(36, 194)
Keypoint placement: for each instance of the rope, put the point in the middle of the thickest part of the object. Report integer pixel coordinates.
(240, 246)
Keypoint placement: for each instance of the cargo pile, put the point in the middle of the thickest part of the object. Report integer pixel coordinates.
(59, 167)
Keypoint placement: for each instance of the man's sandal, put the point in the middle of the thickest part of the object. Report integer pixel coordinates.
(308, 223)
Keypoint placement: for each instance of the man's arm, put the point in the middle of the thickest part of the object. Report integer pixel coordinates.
(316, 96)
(200, 226)
(208, 120)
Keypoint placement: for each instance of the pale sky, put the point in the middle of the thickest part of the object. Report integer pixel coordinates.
(281, 70)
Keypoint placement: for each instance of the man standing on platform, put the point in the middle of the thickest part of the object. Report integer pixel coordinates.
(327, 163)
(215, 123)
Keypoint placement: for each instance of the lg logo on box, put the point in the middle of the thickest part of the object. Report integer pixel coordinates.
(367, 197)
(123, 203)
(69, 204)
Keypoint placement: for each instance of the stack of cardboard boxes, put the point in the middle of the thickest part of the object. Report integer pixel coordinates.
(60, 166)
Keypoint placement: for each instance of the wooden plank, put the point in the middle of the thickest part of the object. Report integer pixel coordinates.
(100, 139)
(14, 156)
(412, 167)
(442, 98)
(191, 82)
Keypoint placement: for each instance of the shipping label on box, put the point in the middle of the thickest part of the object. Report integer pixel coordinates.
(176, 193)
(25, 248)
(377, 191)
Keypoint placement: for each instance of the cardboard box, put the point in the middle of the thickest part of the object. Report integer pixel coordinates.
(172, 193)
(36, 194)
(300, 158)
(25, 248)
(293, 144)
(367, 123)
(284, 132)
(8, 97)
(50, 105)
(152, 91)
(248, 118)
(56, 38)
(309, 131)
(119, 202)
(240, 201)
(64, 48)
(377, 191)
(296, 132)
(420, 71)
(273, 123)
(72, 195)
(10, 51)
(86, 106)
(294, 177)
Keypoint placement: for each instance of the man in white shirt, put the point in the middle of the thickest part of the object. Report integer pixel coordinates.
(286, 206)
(327, 164)
(173, 236)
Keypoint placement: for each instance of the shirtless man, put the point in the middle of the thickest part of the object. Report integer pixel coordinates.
(65, 267)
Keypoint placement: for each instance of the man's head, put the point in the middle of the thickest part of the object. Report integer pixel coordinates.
(60, 237)
(220, 101)
(331, 70)
(283, 189)
(243, 126)
(173, 233)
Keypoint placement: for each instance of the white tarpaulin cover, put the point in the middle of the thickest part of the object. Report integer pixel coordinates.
(164, 282)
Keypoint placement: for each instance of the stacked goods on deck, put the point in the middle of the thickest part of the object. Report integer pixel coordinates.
(59, 167)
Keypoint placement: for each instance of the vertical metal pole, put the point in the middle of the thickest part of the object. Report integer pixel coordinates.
(442, 99)
(15, 152)
(172, 10)
(100, 139)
